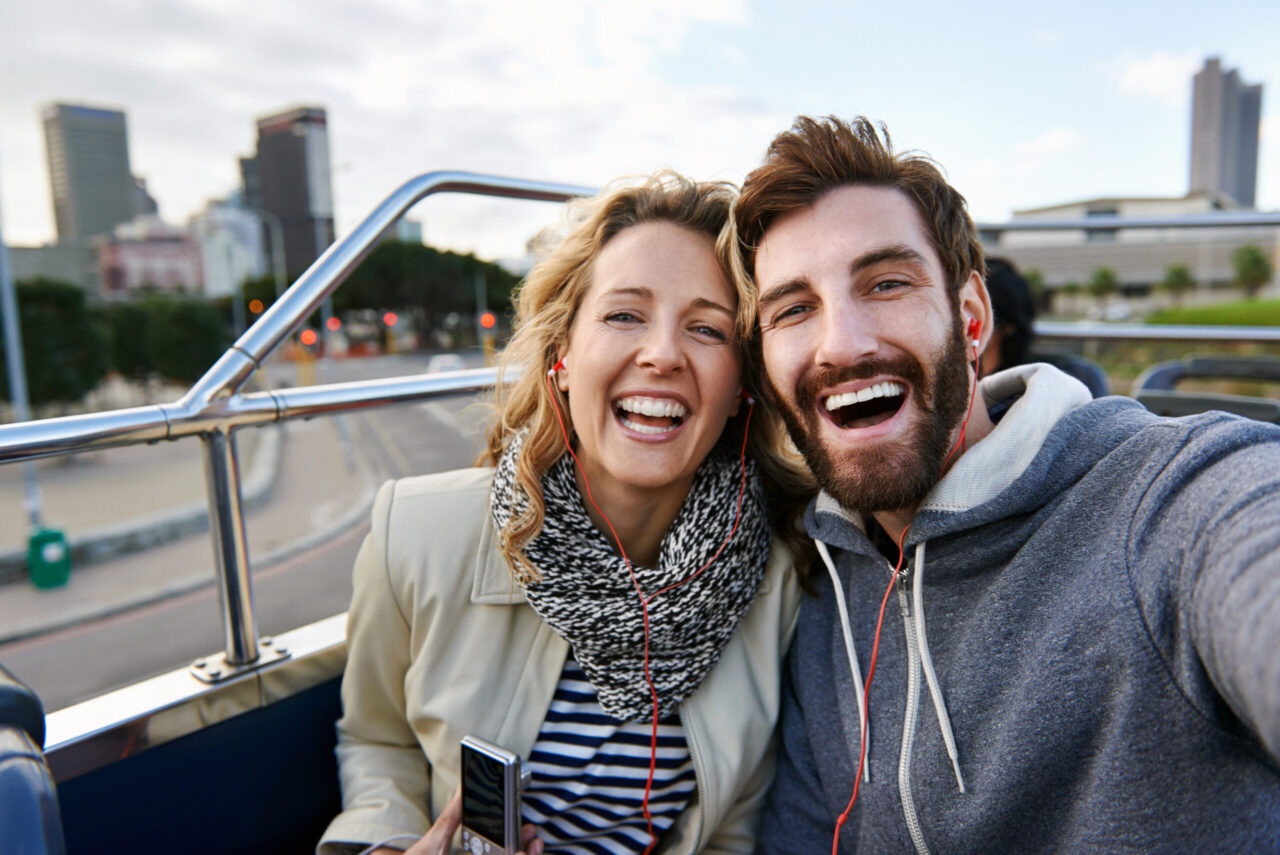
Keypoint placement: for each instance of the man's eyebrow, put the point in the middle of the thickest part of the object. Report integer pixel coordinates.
(781, 292)
(893, 252)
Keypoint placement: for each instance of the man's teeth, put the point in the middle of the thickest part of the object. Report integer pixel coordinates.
(655, 407)
(880, 390)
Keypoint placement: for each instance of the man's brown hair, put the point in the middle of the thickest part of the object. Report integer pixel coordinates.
(818, 155)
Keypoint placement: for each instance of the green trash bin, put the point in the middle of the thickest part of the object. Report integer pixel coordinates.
(48, 558)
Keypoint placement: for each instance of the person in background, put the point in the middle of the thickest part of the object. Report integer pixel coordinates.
(1015, 313)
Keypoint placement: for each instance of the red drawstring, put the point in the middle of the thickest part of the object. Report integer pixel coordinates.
(875, 647)
(645, 601)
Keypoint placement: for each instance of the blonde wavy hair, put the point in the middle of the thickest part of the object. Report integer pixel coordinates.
(546, 304)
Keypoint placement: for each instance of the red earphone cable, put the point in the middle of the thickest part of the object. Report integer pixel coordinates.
(875, 646)
(645, 601)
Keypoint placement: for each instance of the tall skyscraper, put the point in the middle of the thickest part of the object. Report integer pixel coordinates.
(1225, 114)
(93, 187)
(289, 177)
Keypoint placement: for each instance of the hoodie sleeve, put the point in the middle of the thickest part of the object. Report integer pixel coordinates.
(795, 817)
(1208, 538)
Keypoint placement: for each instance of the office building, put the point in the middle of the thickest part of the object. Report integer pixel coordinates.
(1225, 115)
(148, 254)
(289, 177)
(231, 247)
(93, 187)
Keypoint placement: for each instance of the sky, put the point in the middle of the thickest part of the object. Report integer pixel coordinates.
(1023, 104)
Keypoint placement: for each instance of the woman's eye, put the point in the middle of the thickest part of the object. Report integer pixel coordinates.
(621, 317)
(711, 332)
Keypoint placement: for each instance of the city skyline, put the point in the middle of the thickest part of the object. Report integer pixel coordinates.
(1022, 110)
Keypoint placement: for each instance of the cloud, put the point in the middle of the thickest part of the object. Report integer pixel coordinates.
(1161, 76)
(1035, 155)
(569, 90)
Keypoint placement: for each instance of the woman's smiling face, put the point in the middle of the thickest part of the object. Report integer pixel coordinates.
(652, 369)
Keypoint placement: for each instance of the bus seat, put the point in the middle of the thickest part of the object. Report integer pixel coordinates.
(1156, 388)
(29, 813)
(1086, 371)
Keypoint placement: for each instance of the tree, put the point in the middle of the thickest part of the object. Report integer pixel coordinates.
(404, 276)
(184, 336)
(1103, 283)
(64, 346)
(1253, 269)
(1039, 292)
(1177, 281)
(126, 323)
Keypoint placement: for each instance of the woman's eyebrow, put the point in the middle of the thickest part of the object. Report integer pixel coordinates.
(704, 303)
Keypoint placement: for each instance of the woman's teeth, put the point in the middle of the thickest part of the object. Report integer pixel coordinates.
(883, 389)
(650, 415)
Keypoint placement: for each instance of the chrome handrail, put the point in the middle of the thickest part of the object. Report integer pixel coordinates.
(213, 409)
(1216, 219)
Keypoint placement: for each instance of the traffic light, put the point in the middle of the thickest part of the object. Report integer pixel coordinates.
(487, 320)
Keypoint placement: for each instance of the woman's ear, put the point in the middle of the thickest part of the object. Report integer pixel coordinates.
(561, 371)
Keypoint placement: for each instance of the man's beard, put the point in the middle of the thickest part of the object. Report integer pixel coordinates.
(868, 480)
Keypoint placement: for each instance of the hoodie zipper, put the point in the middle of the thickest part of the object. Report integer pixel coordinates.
(909, 717)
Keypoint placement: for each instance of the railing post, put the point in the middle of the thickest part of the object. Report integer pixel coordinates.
(230, 547)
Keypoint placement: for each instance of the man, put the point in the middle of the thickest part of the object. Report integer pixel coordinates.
(1088, 596)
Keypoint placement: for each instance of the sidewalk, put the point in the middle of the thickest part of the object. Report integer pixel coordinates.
(318, 492)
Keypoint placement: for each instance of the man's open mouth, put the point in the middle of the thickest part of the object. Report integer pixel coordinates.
(650, 415)
(868, 406)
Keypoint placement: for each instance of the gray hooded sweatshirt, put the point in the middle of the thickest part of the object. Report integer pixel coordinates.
(1082, 655)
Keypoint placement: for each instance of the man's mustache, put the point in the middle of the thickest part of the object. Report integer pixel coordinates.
(904, 366)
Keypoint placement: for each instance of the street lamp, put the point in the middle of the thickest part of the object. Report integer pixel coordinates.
(17, 373)
(276, 228)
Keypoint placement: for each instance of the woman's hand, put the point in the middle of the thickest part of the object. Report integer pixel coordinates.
(437, 840)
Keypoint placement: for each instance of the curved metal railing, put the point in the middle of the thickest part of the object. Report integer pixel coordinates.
(214, 407)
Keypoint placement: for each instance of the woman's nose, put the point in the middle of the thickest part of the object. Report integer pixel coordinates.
(660, 350)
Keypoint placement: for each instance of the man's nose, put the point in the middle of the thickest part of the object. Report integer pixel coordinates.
(844, 336)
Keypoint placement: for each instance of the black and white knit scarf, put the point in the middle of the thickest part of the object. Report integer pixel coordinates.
(587, 596)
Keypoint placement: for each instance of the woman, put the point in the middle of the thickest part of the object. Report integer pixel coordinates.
(512, 602)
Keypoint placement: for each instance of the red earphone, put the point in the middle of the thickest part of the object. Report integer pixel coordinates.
(646, 600)
(975, 327)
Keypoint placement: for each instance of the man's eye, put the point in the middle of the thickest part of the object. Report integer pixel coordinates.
(887, 285)
(789, 313)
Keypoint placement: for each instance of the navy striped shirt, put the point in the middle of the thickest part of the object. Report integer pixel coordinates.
(589, 771)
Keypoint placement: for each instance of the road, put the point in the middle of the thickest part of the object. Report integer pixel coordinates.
(77, 663)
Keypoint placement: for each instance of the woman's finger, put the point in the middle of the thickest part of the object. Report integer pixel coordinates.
(437, 840)
(529, 839)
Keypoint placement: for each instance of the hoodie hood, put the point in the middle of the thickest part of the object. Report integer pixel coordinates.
(1052, 435)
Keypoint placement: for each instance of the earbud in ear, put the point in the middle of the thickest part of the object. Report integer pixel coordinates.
(554, 368)
(975, 328)
(746, 396)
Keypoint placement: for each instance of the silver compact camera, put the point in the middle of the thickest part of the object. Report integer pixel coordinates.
(492, 784)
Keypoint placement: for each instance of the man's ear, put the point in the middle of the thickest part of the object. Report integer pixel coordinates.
(975, 305)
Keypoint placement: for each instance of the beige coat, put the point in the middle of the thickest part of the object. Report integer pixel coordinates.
(441, 643)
